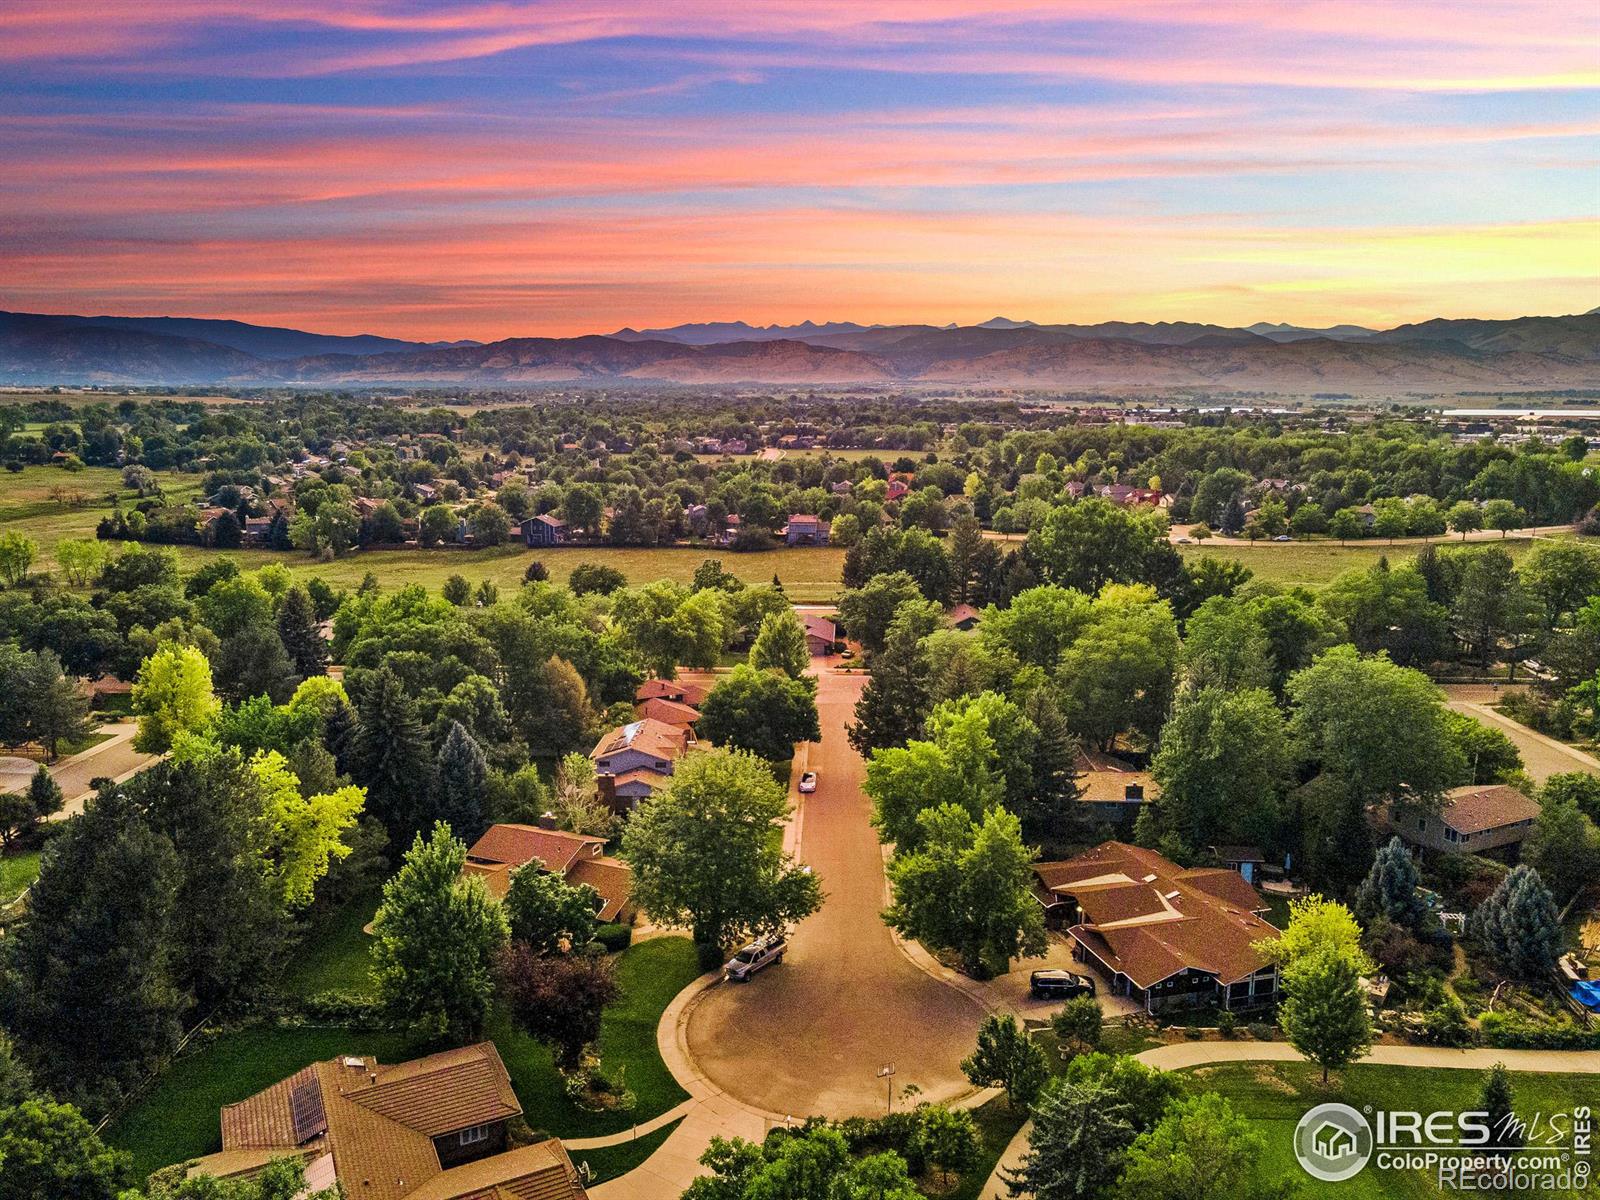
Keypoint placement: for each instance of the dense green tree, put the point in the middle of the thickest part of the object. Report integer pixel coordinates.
(781, 645)
(705, 854)
(1573, 787)
(303, 821)
(1518, 925)
(437, 937)
(1201, 1149)
(547, 914)
(1093, 542)
(764, 712)
(1226, 646)
(895, 701)
(672, 626)
(946, 1139)
(389, 756)
(17, 553)
(966, 888)
(1497, 1100)
(1077, 1024)
(1006, 1057)
(298, 627)
(436, 524)
(460, 782)
(48, 701)
(1391, 889)
(48, 1150)
(1324, 1012)
(596, 578)
(867, 612)
(1038, 624)
(1484, 753)
(1222, 767)
(1118, 676)
(1081, 1133)
(172, 695)
(253, 662)
(1491, 604)
(457, 590)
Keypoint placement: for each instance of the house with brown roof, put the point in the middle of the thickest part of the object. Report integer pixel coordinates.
(434, 1128)
(805, 529)
(1474, 819)
(576, 857)
(1166, 936)
(668, 712)
(1111, 789)
(963, 617)
(821, 634)
(677, 690)
(645, 743)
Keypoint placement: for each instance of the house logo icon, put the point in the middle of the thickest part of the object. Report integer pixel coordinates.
(1333, 1142)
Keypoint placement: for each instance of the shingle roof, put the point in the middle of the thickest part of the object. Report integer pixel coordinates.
(1473, 809)
(521, 844)
(611, 877)
(644, 735)
(1102, 777)
(668, 712)
(1149, 918)
(671, 689)
(820, 627)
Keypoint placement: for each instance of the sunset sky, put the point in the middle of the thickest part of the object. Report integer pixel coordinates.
(492, 169)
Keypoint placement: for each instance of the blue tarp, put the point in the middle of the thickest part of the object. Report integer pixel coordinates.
(1587, 993)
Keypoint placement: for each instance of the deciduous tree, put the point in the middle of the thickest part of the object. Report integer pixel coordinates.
(172, 695)
(1006, 1057)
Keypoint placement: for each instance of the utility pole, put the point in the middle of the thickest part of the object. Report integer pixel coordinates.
(886, 1073)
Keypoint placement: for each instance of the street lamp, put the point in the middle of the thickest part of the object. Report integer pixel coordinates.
(886, 1073)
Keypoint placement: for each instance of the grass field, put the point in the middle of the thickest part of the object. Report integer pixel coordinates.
(337, 955)
(1276, 1095)
(26, 504)
(1313, 564)
(17, 873)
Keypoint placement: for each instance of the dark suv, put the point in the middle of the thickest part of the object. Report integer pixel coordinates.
(1059, 985)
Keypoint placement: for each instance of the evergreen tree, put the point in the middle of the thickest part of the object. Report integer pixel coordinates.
(1007, 1058)
(253, 662)
(54, 710)
(461, 784)
(1391, 889)
(437, 937)
(1052, 811)
(389, 756)
(1081, 1133)
(1497, 1099)
(88, 990)
(299, 630)
(1519, 926)
(1324, 1014)
(44, 794)
(896, 699)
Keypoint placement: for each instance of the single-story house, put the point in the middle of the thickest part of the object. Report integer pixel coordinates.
(434, 1128)
(821, 634)
(1475, 818)
(1112, 790)
(544, 530)
(576, 857)
(804, 529)
(963, 617)
(1166, 936)
(676, 690)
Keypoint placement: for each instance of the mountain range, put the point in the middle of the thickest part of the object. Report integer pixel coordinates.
(1444, 355)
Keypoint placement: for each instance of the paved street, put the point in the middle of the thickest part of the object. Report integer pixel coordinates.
(1543, 756)
(112, 759)
(808, 1036)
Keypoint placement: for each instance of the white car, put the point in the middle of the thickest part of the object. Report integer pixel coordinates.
(808, 783)
(762, 952)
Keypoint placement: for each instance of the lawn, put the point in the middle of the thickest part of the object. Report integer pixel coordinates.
(1313, 564)
(337, 955)
(179, 1118)
(650, 974)
(611, 1161)
(17, 872)
(1276, 1095)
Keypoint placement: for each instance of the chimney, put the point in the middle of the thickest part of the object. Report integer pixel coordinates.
(547, 820)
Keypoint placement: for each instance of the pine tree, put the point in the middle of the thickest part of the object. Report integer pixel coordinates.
(1081, 1133)
(460, 784)
(389, 756)
(1519, 926)
(1325, 1014)
(896, 700)
(302, 638)
(44, 794)
(1497, 1099)
(55, 711)
(1390, 889)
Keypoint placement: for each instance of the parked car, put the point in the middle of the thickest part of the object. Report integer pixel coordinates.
(762, 952)
(1185, 541)
(1283, 537)
(1063, 985)
(847, 653)
(808, 783)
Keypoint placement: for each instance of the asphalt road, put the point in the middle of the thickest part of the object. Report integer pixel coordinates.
(809, 1034)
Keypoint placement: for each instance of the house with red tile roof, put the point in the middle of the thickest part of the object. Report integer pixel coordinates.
(1166, 936)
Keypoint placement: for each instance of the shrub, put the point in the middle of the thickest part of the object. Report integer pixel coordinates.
(355, 1009)
(1227, 1023)
(1512, 1031)
(1261, 1031)
(1445, 1024)
(614, 937)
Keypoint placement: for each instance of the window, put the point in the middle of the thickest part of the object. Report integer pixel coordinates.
(471, 1137)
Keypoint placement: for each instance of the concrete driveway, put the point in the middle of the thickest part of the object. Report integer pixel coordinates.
(1543, 756)
(808, 1035)
(1011, 990)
